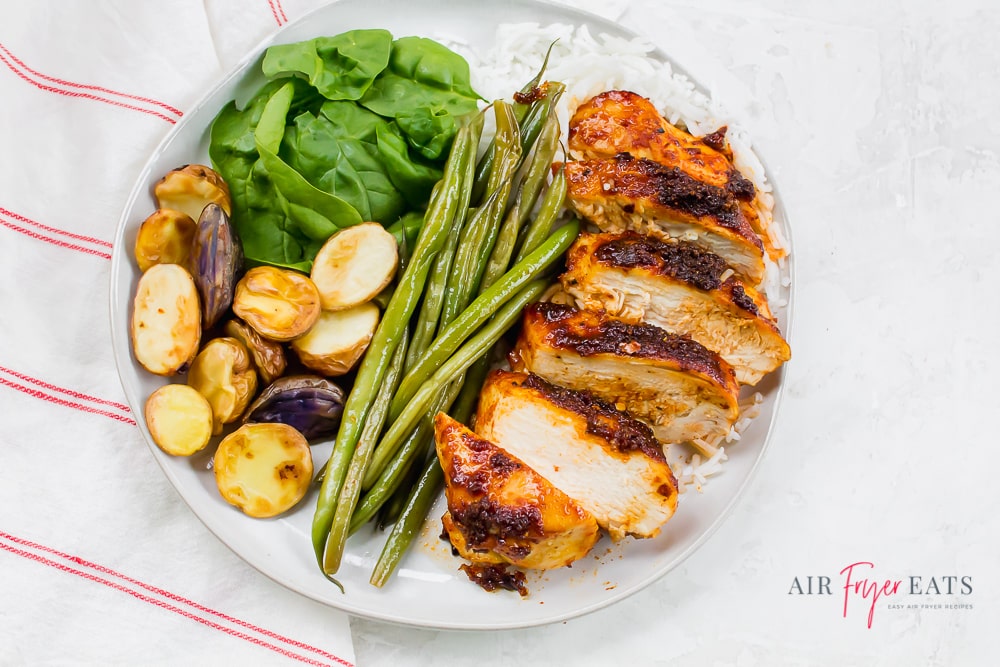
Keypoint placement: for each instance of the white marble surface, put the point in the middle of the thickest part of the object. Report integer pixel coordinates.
(879, 123)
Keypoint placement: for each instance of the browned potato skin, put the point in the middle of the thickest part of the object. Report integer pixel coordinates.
(268, 356)
(354, 265)
(165, 308)
(223, 373)
(279, 304)
(191, 188)
(179, 419)
(165, 237)
(338, 361)
(264, 469)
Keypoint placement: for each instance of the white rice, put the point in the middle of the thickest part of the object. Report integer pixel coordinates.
(589, 65)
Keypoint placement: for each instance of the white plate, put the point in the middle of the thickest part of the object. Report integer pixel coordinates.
(428, 590)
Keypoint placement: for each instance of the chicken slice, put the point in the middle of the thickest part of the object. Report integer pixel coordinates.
(680, 288)
(677, 386)
(500, 510)
(619, 121)
(605, 460)
(627, 193)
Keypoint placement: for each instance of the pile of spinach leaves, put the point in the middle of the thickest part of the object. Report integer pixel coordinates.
(350, 128)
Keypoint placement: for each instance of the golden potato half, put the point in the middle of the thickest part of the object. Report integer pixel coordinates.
(223, 373)
(166, 319)
(279, 304)
(165, 237)
(354, 265)
(338, 339)
(179, 419)
(264, 469)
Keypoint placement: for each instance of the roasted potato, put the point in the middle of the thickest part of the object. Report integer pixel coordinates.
(165, 237)
(222, 373)
(279, 304)
(354, 265)
(166, 319)
(216, 262)
(189, 189)
(179, 419)
(338, 339)
(264, 469)
(268, 356)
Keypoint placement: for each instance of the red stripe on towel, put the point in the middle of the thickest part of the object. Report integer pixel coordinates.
(68, 392)
(79, 237)
(151, 600)
(61, 244)
(89, 87)
(35, 393)
(275, 9)
(88, 96)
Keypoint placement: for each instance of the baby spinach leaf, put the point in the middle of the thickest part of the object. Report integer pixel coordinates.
(428, 85)
(412, 178)
(429, 129)
(342, 67)
(334, 161)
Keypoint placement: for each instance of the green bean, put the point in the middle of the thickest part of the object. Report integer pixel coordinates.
(479, 233)
(529, 117)
(531, 185)
(552, 203)
(390, 511)
(390, 479)
(474, 347)
(437, 283)
(480, 310)
(351, 489)
(410, 522)
(387, 336)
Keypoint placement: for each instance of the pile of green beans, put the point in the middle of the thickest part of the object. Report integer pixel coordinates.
(485, 251)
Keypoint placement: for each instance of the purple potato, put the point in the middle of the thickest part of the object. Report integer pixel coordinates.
(308, 403)
(216, 262)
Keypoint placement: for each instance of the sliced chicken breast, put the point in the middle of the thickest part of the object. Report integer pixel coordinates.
(674, 384)
(620, 121)
(605, 460)
(682, 289)
(625, 193)
(500, 510)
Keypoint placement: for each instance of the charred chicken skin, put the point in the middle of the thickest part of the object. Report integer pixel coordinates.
(605, 460)
(619, 121)
(625, 193)
(501, 511)
(674, 384)
(679, 288)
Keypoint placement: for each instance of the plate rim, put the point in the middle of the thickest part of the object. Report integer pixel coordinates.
(120, 340)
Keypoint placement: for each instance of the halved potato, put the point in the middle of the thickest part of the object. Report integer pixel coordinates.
(338, 339)
(179, 419)
(264, 469)
(189, 189)
(354, 265)
(222, 373)
(165, 237)
(279, 304)
(166, 319)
